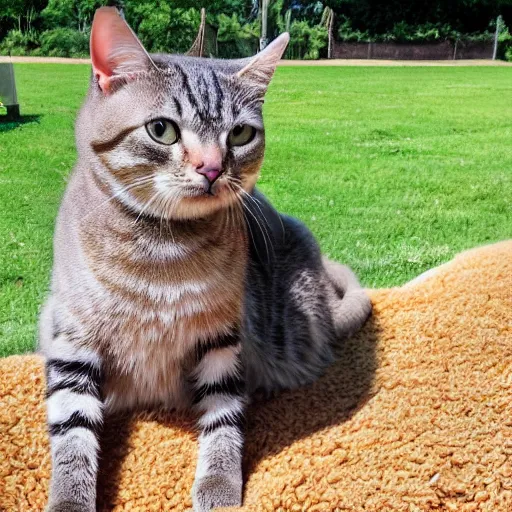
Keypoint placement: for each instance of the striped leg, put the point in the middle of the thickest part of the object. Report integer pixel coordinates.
(220, 398)
(75, 415)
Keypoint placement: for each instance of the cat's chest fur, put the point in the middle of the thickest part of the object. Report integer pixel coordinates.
(157, 296)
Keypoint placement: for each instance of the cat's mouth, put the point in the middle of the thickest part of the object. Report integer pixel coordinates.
(198, 201)
(207, 190)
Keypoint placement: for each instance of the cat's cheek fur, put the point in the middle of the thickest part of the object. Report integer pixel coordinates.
(189, 208)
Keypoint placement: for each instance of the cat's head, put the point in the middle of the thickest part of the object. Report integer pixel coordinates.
(172, 136)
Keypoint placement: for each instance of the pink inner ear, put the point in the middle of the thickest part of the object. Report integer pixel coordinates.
(115, 49)
(261, 68)
(103, 29)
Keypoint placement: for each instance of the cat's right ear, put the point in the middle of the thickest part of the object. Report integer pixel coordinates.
(260, 68)
(115, 49)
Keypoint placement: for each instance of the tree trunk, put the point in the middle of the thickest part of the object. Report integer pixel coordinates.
(264, 21)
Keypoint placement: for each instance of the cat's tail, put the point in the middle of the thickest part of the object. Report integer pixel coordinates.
(352, 306)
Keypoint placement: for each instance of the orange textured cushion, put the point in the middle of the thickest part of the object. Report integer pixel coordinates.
(416, 415)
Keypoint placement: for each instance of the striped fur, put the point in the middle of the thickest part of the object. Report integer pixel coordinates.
(75, 417)
(220, 397)
(170, 290)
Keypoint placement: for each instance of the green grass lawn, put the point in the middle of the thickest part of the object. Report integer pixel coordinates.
(394, 169)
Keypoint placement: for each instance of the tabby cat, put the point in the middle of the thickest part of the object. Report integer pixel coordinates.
(175, 283)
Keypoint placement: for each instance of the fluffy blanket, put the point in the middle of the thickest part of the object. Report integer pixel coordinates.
(415, 416)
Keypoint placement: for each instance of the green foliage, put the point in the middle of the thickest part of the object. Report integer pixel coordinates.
(17, 42)
(59, 27)
(306, 42)
(276, 18)
(19, 14)
(64, 42)
(317, 41)
(348, 34)
(59, 42)
(424, 33)
(241, 8)
(162, 28)
(70, 13)
(505, 45)
(236, 39)
(403, 32)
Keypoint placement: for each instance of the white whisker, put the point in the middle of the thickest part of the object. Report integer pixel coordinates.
(266, 236)
(138, 183)
(146, 206)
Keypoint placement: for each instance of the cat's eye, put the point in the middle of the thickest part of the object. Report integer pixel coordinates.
(241, 134)
(163, 131)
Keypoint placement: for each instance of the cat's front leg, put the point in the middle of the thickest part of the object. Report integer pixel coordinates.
(75, 417)
(219, 395)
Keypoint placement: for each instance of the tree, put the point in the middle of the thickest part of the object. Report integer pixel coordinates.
(162, 27)
(241, 8)
(76, 14)
(20, 14)
(378, 17)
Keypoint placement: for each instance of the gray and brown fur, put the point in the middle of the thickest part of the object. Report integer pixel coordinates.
(168, 291)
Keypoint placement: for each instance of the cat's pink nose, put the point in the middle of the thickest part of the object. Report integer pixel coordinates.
(210, 172)
(207, 160)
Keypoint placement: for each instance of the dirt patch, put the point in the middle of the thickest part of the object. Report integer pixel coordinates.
(44, 60)
(326, 62)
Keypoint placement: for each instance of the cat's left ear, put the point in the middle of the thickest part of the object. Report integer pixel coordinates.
(115, 49)
(260, 68)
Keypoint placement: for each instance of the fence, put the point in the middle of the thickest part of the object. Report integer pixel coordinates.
(446, 50)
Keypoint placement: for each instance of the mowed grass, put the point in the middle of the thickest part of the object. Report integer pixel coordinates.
(394, 170)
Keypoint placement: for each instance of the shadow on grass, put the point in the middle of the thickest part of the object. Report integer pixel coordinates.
(9, 125)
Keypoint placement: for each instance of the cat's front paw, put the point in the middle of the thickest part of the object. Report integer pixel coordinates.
(68, 506)
(216, 491)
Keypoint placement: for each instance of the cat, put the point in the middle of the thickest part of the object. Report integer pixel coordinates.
(175, 283)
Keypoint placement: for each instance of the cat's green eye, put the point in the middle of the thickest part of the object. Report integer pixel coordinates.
(241, 134)
(163, 131)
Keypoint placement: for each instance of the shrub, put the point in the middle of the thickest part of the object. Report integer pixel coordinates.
(505, 45)
(317, 41)
(306, 42)
(64, 42)
(19, 43)
(402, 32)
(162, 28)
